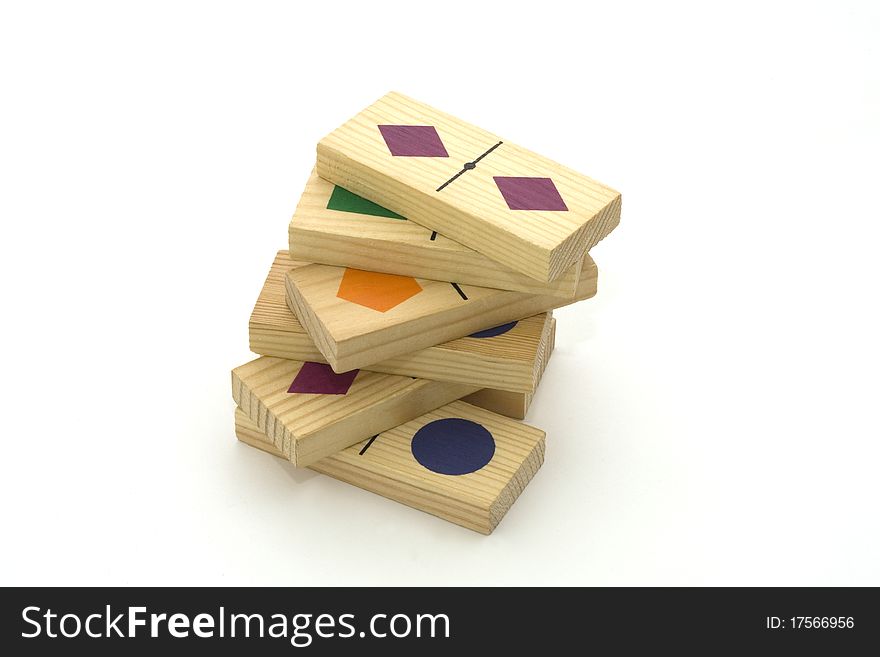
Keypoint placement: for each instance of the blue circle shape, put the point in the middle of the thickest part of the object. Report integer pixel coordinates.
(453, 446)
(492, 332)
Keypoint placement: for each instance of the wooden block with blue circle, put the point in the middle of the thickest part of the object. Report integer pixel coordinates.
(506, 358)
(359, 318)
(333, 226)
(309, 411)
(459, 462)
(514, 206)
(515, 404)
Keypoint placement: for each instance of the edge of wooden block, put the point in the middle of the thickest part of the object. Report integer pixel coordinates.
(346, 354)
(294, 343)
(516, 404)
(373, 255)
(420, 397)
(423, 396)
(517, 484)
(585, 238)
(456, 263)
(469, 516)
(461, 512)
(534, 260)
(543, 261)
(284, 344)
(249, 433)
(313, 325)
(256, 411)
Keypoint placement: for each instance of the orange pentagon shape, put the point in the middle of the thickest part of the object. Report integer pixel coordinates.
(380, 292)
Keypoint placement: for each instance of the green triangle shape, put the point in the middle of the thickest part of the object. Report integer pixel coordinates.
(344, 201)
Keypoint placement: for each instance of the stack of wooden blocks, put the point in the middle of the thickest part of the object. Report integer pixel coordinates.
(404, 332)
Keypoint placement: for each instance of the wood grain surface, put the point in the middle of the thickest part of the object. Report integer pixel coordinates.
(506, 362)
(515, 404)
(306, 427)
(471, 209)
(351, 333)
(385, 465)
(322, 233)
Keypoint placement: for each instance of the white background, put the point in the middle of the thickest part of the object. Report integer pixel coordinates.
(712, 415)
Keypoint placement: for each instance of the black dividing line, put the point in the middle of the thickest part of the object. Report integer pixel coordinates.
(440, 188)
(487, 152)
(433, 235)
(458, 289)
(468, 166)
(367, 446)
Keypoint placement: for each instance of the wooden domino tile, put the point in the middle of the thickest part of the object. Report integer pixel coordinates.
(309, 412)
(514, 404)
(506, 361)
(461, 463)
(520, 209)
(359, 318)
(332, 226)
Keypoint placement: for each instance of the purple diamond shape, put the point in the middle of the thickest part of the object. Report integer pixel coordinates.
(530, 193)
(320, 379)
(413, 141)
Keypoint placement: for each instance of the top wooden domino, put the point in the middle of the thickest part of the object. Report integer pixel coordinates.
(510, 204)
